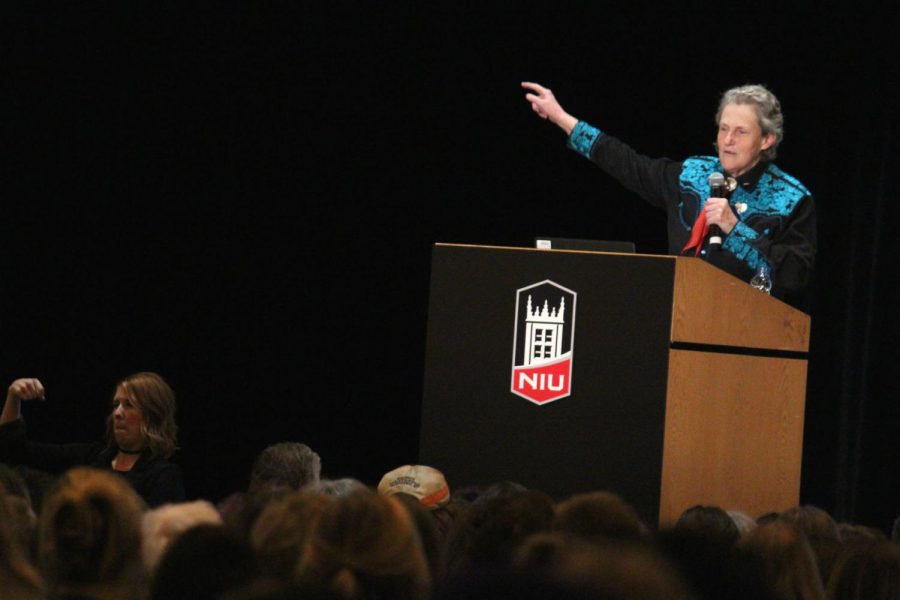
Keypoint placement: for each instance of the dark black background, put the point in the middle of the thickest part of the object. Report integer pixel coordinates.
(243, 197)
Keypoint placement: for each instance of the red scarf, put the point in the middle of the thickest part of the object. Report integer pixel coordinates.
(698, 234)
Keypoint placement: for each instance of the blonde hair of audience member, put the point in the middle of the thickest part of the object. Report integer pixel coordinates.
(89, 535)
(161, 526)
(366, 546)
(18, 578)
(789, 560)
(282, 529)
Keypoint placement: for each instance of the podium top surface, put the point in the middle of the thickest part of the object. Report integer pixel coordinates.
(709, 307)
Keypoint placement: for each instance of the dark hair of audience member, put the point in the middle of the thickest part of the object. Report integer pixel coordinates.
(251, 506)
(484, 537)
(767, 518)
(447, 514)
(599, 568)
(822, 532)
(18, 578)
(859, 533)
(714, 567)
(271, 589)
(289, 465)
(710, 521)
(282, 529)
(366, 546)
(598, 515)
(338, 487)
(89, 535)
(39, 484)
(203, 563)
(866, 570)
(427, 528)
(20, 518)
(789, 559)
(814, 522)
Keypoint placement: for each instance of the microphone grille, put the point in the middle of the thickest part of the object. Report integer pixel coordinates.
(716, 179)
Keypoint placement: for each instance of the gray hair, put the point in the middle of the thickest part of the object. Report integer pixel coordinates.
(768, 111)
(286, 465)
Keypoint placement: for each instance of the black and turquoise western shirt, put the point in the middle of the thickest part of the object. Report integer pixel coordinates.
(775, 212)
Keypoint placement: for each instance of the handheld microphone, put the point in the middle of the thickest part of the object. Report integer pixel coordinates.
(717, 189)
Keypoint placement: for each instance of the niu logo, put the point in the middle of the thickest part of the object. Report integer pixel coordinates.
(542, 342)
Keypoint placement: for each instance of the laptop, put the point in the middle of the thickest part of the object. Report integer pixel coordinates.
(557, 243)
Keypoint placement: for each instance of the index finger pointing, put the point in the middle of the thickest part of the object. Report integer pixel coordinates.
(534, 87)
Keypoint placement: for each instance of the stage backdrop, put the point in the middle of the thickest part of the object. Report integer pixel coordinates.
(244, 198)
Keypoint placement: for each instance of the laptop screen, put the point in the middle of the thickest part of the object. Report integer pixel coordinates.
(555, 243)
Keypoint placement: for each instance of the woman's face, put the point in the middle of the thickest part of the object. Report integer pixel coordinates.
(127, 421)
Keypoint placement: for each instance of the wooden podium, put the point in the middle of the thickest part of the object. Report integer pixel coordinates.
(684, 385)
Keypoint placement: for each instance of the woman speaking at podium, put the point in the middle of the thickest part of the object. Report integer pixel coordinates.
(737, 210)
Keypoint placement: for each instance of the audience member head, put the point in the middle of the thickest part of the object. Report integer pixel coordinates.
(161, 526)
(290, 465)
(709, 521)
(822, 532)
(767, 517)
(744, 522)
(607, 569)
(89, 533)
(814, 522)
(715, 568)
(39, 484)
(203, 563)
(484, 537)
(366, 546)
(425, 484)
(282, 529)
(859, 533)
(18, 578)
(241, 515)
(789, 560)
(338, 487)
(154, 401)
(427, 528)
(20, 517)
(866, 570)
(598, 515)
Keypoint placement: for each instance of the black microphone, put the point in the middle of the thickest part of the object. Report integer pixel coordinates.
(717, 189)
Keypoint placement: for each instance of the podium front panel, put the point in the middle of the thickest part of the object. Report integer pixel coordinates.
(607, 433)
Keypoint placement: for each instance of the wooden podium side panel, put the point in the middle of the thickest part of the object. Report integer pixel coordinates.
(752, 319)
(734, 433)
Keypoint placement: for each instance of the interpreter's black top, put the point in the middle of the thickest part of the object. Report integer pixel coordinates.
(155, 479)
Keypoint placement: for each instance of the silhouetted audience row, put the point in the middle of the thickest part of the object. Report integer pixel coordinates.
(293, 534)
(113, 523)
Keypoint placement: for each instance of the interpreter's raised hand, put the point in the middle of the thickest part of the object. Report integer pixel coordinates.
(718, 212)
(545, 105)
(26, 388)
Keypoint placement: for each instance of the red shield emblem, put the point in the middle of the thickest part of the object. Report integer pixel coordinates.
(543, 342)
